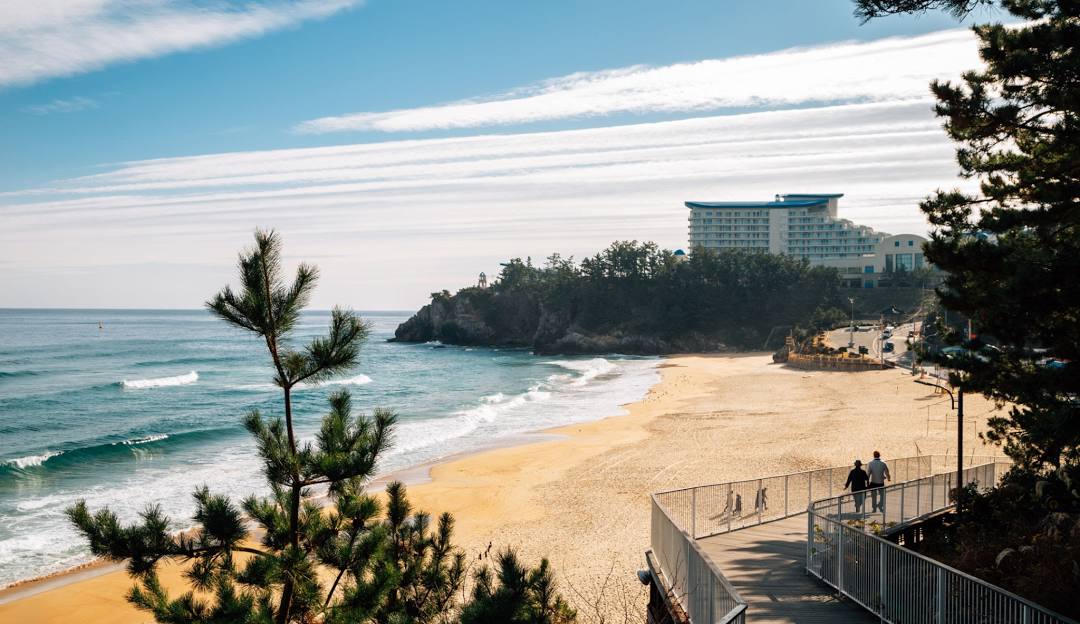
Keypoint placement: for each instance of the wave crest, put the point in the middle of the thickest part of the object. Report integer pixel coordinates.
(160, 382)
(32, 460)
(359, 380)
(588, 369)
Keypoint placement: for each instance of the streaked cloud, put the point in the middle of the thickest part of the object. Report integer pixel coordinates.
(399, 219)
(41, 39)
(70, 105)
(882, 70)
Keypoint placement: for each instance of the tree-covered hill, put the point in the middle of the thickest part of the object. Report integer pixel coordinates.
(634, 298)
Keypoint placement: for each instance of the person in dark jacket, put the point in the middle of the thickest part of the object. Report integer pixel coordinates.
(857, 480)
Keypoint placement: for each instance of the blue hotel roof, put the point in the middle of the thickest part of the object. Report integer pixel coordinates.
(798, 203)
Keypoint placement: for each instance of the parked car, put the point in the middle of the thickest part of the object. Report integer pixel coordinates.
(889, 347)
(886, 334)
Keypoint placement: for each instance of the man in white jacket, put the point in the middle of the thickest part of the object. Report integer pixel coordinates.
(879, 474)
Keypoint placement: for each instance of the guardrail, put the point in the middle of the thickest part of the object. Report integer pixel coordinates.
(707, 510)
(897, 584)
(692, 579)
(680, 517)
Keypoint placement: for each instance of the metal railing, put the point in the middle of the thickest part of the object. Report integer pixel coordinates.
(692, 579)
(900, 585)
(707, 510)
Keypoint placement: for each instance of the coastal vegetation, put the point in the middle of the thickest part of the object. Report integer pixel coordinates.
(1011, 254)
(635, 298)
(353, 559)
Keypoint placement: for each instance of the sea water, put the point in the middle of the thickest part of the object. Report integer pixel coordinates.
(127, 409)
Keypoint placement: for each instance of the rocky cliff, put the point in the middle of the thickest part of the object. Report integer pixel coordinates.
(482, 317)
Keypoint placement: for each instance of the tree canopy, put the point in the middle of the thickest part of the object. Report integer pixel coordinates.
(1011, 251)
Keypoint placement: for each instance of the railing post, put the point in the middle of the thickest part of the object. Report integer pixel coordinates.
(809, 538)
(693, 513)
(941, 595)
(881, 580)
(1027, 614)
(918, 498)
(903, 511)
(840, 556)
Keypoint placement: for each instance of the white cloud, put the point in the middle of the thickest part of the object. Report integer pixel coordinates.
(70, 105)
(41, 39)
(397, 220)
(881, 70)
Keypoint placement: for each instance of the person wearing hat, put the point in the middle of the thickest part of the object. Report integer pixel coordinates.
(857, 480)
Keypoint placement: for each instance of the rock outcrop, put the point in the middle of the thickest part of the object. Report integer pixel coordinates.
(481, 317)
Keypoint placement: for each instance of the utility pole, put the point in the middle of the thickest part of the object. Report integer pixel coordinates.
(960, 428)
(959, 444)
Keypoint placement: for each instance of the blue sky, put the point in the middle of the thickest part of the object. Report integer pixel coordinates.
(94, 84)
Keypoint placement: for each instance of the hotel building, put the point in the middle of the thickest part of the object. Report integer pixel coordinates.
(806, 226)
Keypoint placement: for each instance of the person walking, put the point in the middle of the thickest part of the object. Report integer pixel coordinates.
(879, 474)
(857, 480)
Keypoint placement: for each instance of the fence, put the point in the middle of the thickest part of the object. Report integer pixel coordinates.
(707, 510)
(692, 578)
(897, 584)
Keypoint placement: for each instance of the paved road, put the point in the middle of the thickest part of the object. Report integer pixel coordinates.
(871, 339)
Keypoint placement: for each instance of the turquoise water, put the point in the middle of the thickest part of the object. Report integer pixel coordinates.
(147, 405)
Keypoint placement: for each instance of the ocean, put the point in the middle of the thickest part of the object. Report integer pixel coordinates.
(127, 408)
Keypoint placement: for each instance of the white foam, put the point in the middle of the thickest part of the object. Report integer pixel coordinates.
(32, 460)
(160, 382)
(415, 435)
(588, 369)
(359, 380)
(149, 438)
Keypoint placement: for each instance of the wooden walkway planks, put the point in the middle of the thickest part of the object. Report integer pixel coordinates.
(765, 564)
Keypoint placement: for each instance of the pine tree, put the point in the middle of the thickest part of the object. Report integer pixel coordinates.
(339, 564)
(1012, 250)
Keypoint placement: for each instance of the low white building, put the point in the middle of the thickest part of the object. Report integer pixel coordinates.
(806, 226)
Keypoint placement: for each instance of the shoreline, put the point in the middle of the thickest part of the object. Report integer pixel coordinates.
(577, 494)
(410, 476)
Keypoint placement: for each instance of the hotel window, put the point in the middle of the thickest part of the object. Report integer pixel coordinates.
(905, 262)
(918, 261)
(888, 263)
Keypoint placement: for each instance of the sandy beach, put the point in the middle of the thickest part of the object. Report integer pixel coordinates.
(580, 496)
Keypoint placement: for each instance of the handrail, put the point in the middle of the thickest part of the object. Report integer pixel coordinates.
(691, 577)
(707, 510)
(896, 583)
(681, 516)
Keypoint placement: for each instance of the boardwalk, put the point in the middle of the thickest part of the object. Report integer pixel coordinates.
(765, 564)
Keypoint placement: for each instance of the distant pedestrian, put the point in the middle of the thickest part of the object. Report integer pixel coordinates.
(879, 474)
(761, 499)
(738, 505)
(857, 480)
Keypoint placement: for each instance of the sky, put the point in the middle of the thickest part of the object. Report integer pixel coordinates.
(404, 146)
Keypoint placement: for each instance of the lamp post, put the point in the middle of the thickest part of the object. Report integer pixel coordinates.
(851, 332)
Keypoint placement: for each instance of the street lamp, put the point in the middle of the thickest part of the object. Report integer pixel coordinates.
(851, 333)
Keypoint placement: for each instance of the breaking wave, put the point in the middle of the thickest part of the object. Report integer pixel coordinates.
(32, 460)
(587, 369)
(160, 382)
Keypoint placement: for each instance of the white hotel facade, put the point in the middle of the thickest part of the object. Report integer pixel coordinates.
(806, 226)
